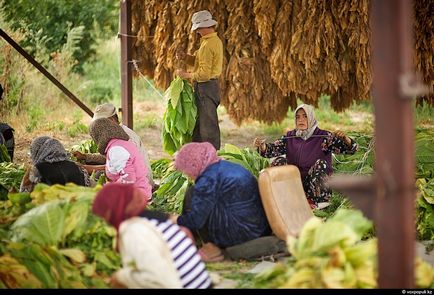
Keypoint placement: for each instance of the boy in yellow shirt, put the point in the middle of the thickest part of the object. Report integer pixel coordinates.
(207, 64)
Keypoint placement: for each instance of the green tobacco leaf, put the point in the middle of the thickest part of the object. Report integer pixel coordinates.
(355, 220)
(168, 144)
(76, 216)
(181, 123)
(229, 156)
(75, 255)
(86, 146)
(37, 262)
(179, 107)
(173, 92)
(247, 158)
(19, 198)
(230, 148)
(43, 225)
(103, 259)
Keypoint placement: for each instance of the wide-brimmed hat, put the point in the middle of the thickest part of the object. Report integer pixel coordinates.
(202, 19)
(105, 110)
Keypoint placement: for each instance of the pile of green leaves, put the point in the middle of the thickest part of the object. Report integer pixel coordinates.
(249, 159)
(337, 201)
(87, 146)
(425, 209)
(30, 265)
(327, 254)
(62, 222)
(169, 197)
(361, 162)
(159, 167)
(4, 155)
(424, 154)
(333, 254)
(180, 115)
(10, 178)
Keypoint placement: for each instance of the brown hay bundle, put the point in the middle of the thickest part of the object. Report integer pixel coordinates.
(352, 21)
(162, 40)
(250, 93)
(265, 16)
(275, 51)
(424, 41)
(143, 26)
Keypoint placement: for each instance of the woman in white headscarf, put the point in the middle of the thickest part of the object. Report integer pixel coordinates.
(52, 165)
(310, 149)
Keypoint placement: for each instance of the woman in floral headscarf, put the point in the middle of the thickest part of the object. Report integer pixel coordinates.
(225, 207)
(124, 162)
(310, 149)
(51, 165)
(155, 252)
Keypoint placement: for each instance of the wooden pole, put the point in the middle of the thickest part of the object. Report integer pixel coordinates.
(126, 74)
(394, 141)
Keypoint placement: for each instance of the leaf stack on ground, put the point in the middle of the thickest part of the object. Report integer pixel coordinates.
(334, 254)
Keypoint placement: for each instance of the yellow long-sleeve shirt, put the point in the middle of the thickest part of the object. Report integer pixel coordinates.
(208, 59)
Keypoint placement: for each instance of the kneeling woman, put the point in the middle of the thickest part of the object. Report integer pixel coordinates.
(225, 208)
(51, 165)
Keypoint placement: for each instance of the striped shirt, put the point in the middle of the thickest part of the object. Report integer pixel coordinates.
(190, 266)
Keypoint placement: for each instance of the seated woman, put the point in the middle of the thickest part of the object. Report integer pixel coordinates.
(124, 162)
(108, 110)
(225, 207)
(310, 149)
(155, 252)
(51, 165)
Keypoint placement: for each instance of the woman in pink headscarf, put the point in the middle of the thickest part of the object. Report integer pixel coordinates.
(155, 252)
(225, 207)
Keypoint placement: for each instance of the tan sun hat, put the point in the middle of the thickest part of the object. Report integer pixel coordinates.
(105, 110)
(202, 19)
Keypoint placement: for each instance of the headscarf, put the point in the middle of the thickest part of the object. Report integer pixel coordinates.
(103, 130)
(193, 158)
(47, 149)
(113, 199)
(311, 121)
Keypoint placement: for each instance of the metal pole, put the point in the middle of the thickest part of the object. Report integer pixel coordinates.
(45, 72)
(394, 142)
(126, 73)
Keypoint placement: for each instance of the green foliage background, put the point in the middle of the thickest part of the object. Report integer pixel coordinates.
(46, 23)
